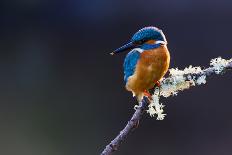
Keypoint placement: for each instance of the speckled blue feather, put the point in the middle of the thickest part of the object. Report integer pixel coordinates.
(149, 33)
(130, 63)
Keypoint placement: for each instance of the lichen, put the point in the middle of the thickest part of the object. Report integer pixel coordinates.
(155, 107)
(219, 64)
(179, 80)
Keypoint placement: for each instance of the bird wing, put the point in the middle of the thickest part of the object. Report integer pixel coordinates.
(130, 63)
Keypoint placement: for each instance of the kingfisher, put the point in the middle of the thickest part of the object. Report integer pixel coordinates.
(147, 62)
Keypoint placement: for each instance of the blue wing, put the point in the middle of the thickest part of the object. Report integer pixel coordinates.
(130, 63)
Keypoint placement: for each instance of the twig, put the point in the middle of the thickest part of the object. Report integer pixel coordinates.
(209, 71)
(132, 124)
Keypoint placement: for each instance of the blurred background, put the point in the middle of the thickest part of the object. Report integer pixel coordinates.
(61, 93)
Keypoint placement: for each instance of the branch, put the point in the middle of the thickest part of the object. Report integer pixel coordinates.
(211, 70)
(178, 80)
(131, 125)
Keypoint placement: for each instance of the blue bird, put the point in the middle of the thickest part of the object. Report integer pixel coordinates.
(147, 62)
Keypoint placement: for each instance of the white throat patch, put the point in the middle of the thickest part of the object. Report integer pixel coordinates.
(139, 50)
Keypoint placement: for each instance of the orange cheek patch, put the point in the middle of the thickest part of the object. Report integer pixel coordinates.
(150, 42)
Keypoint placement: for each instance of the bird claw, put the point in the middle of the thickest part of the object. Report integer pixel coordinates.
(147, 94)
(157, 83)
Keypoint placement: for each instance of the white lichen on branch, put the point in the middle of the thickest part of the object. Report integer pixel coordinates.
(179, 80)
(155, 107)
(220, 64)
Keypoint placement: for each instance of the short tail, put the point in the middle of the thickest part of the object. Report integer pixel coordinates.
(140, 96)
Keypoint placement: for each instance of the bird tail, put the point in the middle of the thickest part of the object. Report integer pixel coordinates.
(140, 96)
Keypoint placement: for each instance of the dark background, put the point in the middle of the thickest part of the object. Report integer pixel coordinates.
(61, 93)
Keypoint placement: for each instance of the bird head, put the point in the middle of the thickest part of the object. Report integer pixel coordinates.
(143, 37)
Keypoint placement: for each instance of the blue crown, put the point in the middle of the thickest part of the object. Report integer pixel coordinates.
(148, 33)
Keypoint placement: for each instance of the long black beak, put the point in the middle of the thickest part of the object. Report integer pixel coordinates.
(126, 47)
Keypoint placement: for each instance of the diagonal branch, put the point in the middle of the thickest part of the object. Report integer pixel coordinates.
(176, 81)
(131, 125)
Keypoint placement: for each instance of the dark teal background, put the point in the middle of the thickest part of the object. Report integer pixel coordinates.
(61, 93)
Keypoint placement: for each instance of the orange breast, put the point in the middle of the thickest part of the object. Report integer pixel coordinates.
(151, 67)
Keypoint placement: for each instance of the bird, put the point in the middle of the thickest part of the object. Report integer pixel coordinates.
(147, 61)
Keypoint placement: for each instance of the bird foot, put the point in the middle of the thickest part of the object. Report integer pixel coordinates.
(157, 83)
(147, 94)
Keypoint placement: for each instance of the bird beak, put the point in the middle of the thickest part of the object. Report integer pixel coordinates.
(126, 47)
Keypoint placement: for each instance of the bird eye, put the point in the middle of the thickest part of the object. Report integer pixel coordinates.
(140, 42)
